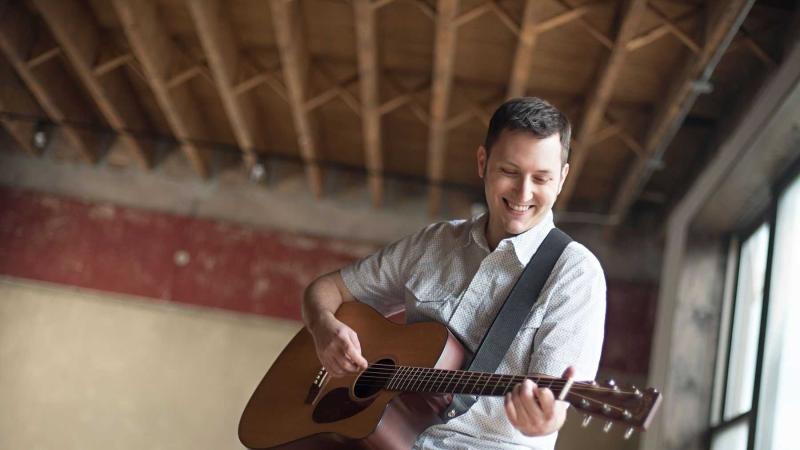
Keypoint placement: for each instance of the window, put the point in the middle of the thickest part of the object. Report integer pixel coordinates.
(754, 399)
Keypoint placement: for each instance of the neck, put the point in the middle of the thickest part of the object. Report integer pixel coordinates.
(439, 381)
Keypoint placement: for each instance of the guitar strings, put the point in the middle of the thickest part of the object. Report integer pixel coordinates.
(385, 372)
(429, 373)
(572, 391)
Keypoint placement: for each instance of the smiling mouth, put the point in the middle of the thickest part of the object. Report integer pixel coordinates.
(516, 207)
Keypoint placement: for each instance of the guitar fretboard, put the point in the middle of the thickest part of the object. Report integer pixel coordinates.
(423, 379)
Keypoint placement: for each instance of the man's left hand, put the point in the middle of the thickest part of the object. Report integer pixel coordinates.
(534, 411)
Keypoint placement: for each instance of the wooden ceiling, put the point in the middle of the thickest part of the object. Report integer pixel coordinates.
(394, 88)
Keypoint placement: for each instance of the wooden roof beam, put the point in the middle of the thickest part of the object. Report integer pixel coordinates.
(523, 56)
(43, 57)
(295, 63)
(650, 36)
(156, 52)
(368, 75)
(441, 87)
(103, 67)
(676, 31)
(530, 29)
(698, 69)
(222, 52)
(600, 95)
(79, 35)
(406, 97)
(61, 100)
(14, 97)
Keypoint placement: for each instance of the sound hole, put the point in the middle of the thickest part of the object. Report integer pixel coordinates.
(372, 380)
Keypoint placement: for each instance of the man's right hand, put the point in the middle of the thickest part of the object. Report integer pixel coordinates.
(337, 346)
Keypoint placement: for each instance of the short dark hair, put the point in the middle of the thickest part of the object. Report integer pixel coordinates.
(530, 114)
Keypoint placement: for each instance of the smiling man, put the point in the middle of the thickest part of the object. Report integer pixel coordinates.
(460, 272)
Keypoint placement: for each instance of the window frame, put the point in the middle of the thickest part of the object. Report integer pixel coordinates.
(735, 241)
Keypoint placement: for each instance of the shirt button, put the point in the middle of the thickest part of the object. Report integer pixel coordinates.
(452, 413)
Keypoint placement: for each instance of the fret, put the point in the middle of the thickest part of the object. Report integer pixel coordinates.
(475, 384)
(397, 378)
(447, 387)
(460, 386)
(486, 384)
(415, 385)
(407, 379)
(425, 383)
(436, 380)
(499, 379)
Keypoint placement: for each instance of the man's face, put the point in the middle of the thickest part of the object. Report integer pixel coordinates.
(521, 179)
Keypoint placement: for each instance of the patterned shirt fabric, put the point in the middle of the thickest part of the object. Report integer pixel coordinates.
(447, 273)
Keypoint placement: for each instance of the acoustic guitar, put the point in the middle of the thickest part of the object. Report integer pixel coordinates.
(412, 374)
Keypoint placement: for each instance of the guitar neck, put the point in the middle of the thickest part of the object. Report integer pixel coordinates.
(422, 379)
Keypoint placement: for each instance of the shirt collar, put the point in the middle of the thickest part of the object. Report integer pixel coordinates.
(524, 244)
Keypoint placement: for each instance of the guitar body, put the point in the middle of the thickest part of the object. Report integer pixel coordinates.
(299, 406)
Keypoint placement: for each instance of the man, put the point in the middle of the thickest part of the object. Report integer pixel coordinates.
(459, 273)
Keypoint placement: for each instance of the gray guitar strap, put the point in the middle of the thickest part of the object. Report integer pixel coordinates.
(509, 320)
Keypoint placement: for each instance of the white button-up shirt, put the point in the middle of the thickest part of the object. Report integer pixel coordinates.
(446, 272)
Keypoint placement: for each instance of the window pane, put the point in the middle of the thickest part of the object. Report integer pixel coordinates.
(734, 438)
(746, 323)
(777, 427)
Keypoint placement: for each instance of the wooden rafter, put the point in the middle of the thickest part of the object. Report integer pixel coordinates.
(521, 66)
(157, 52)
(407, 98)
(368, 75)
(687, 40)
(682, 96)
(103, 67)
(530, 29)
(339, 90)
(58, 97)
(650, 36)
(441, 86)
(586, 25)
(14, 97)
(295, 63)
(80, 36)
(744, 38)
(600, 95)
(222, 52)
(43, 57)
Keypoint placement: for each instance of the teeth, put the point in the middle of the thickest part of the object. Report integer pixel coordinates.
(520, 208)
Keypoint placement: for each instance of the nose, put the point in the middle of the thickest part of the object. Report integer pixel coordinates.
(525, 189)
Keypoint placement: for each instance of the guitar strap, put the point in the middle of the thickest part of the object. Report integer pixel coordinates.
(512, 314)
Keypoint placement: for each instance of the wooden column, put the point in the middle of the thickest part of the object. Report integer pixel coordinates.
(441, 86)
(157, 54)
(521, 67)
(80, 38)
(295, 63)
(60, 99)
(14, 98)
(680, 99)
(219, 43)
(368, 72)
(600, 95)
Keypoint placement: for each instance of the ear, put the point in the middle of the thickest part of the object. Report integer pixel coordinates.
(564, 172)
(482, 161)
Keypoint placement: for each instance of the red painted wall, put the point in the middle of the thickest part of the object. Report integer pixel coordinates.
(131, 251)
(229, 266)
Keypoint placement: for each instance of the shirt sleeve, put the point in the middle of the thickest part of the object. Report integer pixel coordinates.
(572, 329)
(378, 280)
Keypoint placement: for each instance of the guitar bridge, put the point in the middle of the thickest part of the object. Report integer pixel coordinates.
(316, 385)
